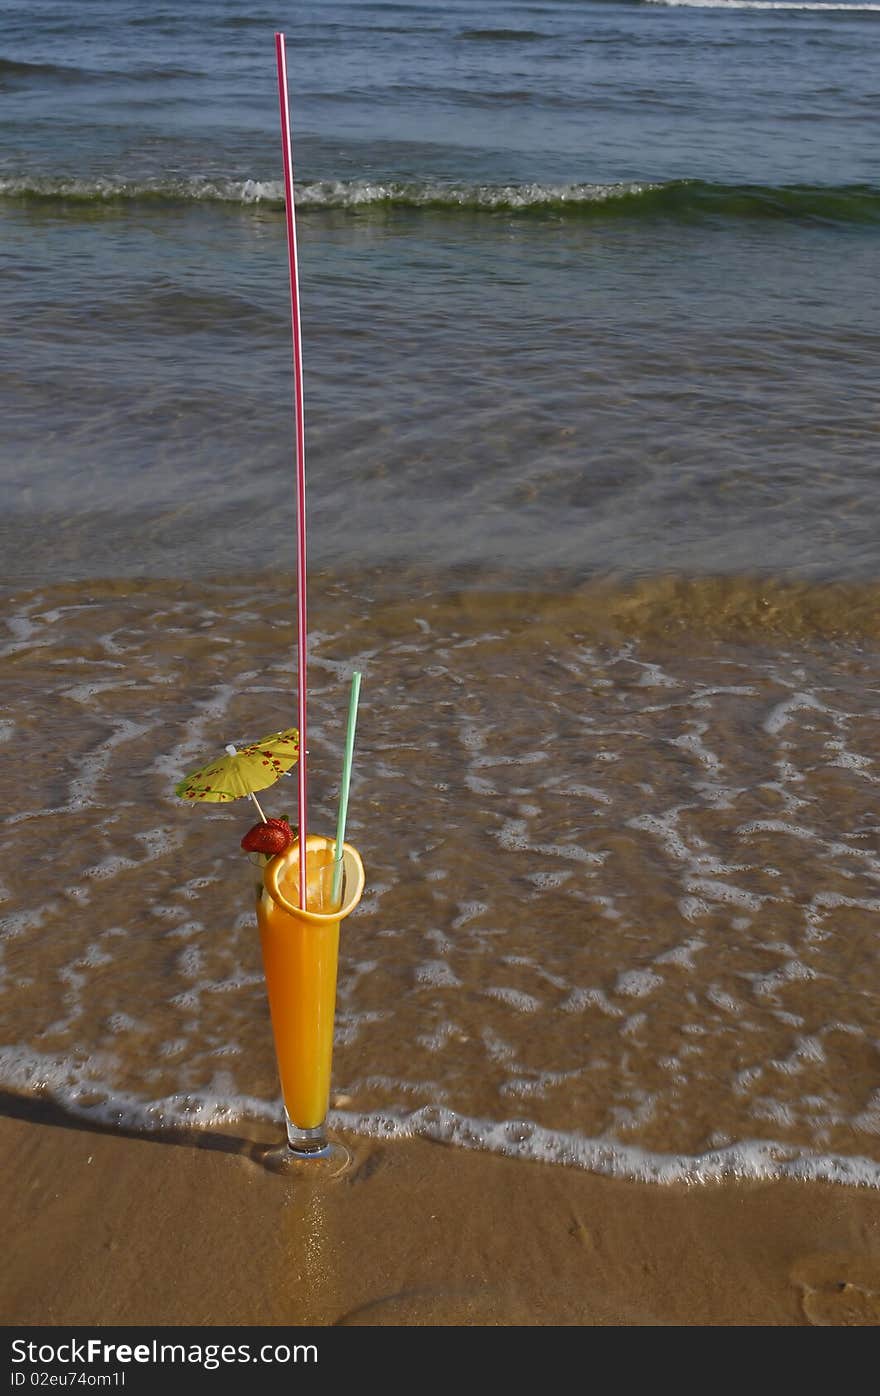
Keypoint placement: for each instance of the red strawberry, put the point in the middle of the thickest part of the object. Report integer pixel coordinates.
(272, 837)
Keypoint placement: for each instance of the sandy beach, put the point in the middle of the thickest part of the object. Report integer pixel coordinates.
(156, 1230)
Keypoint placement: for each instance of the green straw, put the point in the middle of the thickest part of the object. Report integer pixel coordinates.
(346, 782)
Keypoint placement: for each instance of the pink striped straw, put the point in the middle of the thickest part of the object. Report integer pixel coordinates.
(302, 632)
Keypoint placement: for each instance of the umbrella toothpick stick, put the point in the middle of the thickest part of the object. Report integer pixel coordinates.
(302, 633)
(233, 751)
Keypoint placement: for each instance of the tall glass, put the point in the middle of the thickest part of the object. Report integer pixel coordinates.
(300, 950)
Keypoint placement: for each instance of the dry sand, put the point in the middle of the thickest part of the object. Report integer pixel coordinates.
(107, 1228)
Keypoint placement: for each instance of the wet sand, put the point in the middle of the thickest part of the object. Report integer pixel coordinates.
(106, 1228)
(621, 889)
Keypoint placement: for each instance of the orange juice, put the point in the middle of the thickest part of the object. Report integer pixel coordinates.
(300, 950)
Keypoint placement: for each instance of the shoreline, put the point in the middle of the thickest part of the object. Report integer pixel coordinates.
(182, 1229)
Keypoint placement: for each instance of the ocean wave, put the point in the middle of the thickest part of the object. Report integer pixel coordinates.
(737, 608)
(501, 36)
(857, 9)
(679, 200)
(40, 1087)
(15, 68)
(15, 71)
(731, 609)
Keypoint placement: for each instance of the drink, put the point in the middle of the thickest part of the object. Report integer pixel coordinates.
(300, 950)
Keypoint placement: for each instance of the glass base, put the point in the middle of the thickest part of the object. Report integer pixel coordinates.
(305, 1141)
(327, 1162)
(307, 1153)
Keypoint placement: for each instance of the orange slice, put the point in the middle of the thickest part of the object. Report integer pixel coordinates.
(281, 880)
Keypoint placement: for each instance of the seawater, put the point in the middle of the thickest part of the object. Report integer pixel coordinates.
(590, 316)
(622, 848)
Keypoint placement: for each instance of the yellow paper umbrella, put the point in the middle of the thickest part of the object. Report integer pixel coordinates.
(243, 770)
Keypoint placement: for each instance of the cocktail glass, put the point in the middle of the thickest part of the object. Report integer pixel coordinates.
(300, 952)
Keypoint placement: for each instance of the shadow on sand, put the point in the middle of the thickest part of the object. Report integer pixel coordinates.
(40, 1110)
